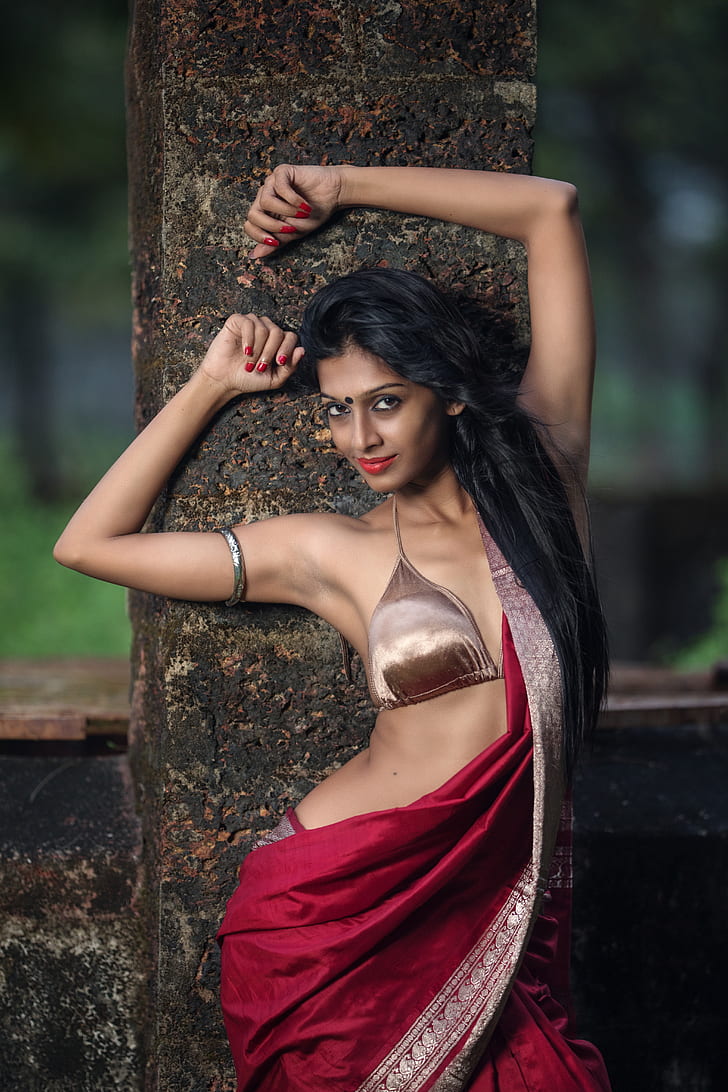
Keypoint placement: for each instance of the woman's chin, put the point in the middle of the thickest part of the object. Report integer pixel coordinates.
(378, 486)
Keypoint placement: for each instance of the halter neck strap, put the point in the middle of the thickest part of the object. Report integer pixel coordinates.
(395, 521)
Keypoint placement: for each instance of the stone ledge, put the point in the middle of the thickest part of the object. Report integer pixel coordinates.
(64, 699)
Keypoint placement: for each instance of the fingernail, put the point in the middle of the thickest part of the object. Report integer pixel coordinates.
(270, 241)
(287, 230)
(282, 358)
(301, 216)
(262, 365)
(249, 365)
(305, 207)
(248, 350)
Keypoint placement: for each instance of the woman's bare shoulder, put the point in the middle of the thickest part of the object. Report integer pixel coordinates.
(315, 525)
(334, 538)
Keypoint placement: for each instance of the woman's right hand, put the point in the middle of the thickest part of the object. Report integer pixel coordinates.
(104, 538)
(251, 355)
(293, 201)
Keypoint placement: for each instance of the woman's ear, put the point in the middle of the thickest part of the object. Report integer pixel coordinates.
(454, 408)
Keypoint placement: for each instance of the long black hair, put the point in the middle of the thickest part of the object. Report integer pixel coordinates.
(495, 452)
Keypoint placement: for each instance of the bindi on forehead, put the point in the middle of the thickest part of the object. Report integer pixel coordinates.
(349, 401)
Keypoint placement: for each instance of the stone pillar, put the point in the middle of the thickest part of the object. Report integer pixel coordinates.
(239, 711)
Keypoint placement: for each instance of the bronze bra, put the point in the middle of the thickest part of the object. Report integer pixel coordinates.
(423, 640)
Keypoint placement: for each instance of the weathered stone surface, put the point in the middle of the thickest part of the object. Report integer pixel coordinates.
(73, 952)
(69, 1006)
(69, 838)
(239, 711)
(307, 37)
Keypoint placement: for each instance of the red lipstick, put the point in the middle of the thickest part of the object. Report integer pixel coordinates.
(376, 466)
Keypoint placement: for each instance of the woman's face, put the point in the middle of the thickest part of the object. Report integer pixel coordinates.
(393, 431)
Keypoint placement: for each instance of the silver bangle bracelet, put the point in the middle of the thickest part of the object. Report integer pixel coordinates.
(238, 567)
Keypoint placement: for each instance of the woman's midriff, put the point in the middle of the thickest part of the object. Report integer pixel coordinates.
(411, 752)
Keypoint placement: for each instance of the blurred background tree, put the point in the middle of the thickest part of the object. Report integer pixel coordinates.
(65, 375)
(63, 249)
(633, 108)
(632, 100)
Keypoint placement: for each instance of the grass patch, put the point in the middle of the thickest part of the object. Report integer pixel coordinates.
(47, 610)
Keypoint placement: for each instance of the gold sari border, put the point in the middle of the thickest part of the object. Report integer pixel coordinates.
(480, 975)
(542, 678)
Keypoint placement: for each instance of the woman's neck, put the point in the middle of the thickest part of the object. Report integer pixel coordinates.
(441, 499)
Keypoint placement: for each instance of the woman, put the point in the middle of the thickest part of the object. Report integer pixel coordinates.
(407, 925)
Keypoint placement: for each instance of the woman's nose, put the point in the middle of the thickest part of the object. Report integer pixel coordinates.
(364, 434)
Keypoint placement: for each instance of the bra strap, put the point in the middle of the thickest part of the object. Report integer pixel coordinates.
(396, 525)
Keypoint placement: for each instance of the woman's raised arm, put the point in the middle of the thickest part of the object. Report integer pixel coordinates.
(103, 539)
(538, 212)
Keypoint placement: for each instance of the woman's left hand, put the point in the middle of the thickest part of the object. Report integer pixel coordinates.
(293, 201)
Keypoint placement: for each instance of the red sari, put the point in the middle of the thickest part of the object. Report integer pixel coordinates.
(412, 948)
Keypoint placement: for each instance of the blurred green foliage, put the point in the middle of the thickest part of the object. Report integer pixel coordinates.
(712, 647)
(63, 257)
(632, 98)
(47, 610)
(62, 152)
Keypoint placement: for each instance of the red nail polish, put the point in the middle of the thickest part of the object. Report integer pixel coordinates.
(249, 365)
(248, 350)
(305, 207)
(282, 358)
(262, 365)
(301, 216)
(270, 241)
(287, 230)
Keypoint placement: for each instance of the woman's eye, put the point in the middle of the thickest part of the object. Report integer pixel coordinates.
(387, 401)
(334, 409)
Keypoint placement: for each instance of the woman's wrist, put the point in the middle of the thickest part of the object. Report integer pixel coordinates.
(352, 185)
(210, 393)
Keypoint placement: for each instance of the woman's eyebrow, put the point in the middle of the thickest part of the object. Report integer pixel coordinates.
(366, 394)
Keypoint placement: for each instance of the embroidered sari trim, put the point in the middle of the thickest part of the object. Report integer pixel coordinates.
(418, 1055)
(540, 668)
